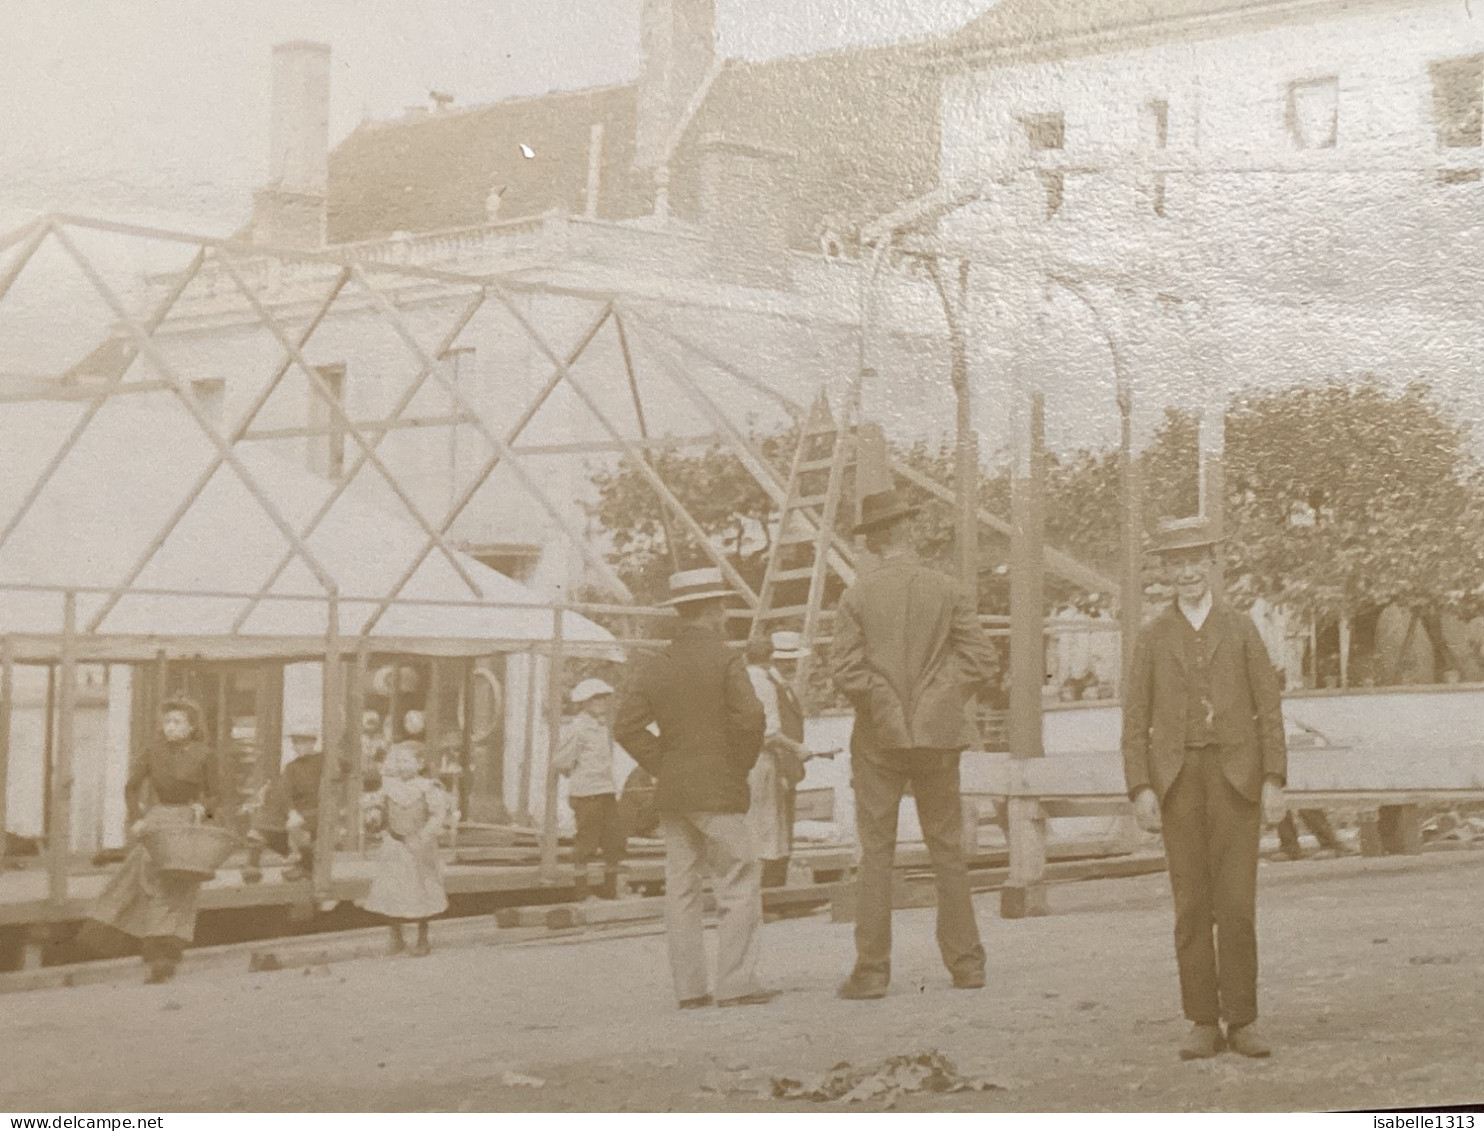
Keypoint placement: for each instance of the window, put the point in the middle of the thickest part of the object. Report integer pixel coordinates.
(327, 443)
(1045, 132)
(1458, 111)
(1312, 113)
(515, 560)
(1458, 101)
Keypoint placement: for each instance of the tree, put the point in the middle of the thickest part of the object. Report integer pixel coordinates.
(1344, 498)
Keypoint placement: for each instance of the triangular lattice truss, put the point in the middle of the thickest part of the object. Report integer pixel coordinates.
(212, 354)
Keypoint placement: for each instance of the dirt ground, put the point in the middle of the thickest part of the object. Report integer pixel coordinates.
(1371, 994)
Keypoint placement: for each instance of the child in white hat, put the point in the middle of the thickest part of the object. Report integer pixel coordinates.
(585, 754)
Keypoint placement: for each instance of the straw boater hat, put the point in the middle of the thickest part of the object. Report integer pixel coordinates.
(788, 646)
(696, 585)
(1174, 534)
(881, 508)
(589, 689)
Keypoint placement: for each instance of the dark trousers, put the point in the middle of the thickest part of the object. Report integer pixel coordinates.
(278, 841)
(1317, 823)
(880, 779)
(162, 950)
(598, 829)
(1211, 834)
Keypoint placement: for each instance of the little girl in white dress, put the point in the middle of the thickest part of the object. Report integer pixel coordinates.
(408, 885)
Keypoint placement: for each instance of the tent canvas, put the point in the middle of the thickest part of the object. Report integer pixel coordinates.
(137, 462)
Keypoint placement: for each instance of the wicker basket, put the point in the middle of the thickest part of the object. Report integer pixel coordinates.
(192, 850)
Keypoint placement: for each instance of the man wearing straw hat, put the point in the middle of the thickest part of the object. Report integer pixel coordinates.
(772, 663)
(697, 695)
(911, 657)
(1205, 758)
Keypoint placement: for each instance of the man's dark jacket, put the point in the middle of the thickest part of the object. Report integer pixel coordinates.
(710, 724)
(1248, 708)
(911, 657)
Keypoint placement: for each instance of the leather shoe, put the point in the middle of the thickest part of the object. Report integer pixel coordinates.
(856, 988)
(757, 997)
(696, 1002)
(1247, 1041)
(1203, 1043)
(971, 981)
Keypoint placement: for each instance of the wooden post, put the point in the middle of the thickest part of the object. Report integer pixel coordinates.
(1212, 478)
(332, 732)
(528, 738)
(1024, 892)
(357, 751)
(59, 836)
(594, 169)
(1344, 650)
(7, 694)
(553, 738)
(1131, 588)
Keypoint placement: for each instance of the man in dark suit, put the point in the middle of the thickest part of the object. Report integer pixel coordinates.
(697, 695)
(911, 656)
(1205, 758)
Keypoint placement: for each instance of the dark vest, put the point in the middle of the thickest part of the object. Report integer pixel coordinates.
(1200, 646)
(790, 714)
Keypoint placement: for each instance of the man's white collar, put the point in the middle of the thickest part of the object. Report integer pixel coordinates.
(1196, 614)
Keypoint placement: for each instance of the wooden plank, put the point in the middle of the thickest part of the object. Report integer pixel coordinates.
(553, 740)
(59, 835)
(7, 695)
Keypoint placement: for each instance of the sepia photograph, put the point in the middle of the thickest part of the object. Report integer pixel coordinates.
(741, 556)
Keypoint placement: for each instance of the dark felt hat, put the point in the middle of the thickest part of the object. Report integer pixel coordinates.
(881, 508)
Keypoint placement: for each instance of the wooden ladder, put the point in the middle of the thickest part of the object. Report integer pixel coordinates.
(794, 582)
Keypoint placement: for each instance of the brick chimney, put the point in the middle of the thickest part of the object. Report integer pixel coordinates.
(678, 44)
(289, 211)
(743, 208)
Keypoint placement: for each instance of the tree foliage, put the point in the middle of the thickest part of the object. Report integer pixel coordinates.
(1341, 497)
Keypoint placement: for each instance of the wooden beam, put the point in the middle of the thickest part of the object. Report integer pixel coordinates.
(501, 446)
(783, 400)
(332, 734)
(553, 742)
(99, 399)
(640, 463)
(321, 389)
(7, 701)
(52, 390)
(59, 832)
(360, 461)
(32, 244)
(503, 452)
(841, 554)
(310, 431)
(1058, 562)
(351, 800)
(199, 485)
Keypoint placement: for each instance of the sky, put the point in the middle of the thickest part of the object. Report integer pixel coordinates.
(157, 110)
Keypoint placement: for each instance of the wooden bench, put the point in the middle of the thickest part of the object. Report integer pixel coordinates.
(1385, 790)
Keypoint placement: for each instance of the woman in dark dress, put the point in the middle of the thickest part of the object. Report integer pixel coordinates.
(174, 783)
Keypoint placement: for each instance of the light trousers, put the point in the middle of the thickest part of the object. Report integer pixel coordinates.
(721, 844)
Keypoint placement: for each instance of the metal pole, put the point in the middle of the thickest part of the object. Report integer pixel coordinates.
(59, 837)
(523, 782)
(1024, 892)
(357, 752)
(7, 692)
(332, 731)
(1131, 588)
(1027, 591)
(553, 739)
